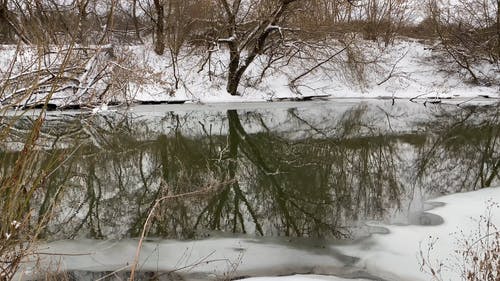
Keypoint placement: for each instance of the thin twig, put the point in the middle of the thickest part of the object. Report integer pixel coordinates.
(150, 215)
(113, 273)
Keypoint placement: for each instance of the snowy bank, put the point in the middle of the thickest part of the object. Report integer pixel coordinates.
(395, 256)
(303, 278)
(391, 255)
(135, 74)
(405, 70)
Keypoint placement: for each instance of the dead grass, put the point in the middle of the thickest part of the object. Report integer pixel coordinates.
(23, 176)
(477, 257)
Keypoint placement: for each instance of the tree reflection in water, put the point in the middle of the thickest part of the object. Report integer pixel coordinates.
(462, 151)
(283, 173)
(305, 187)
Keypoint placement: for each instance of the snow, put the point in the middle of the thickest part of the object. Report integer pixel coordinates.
(303, 278)
(205, 258)
(395, 256)
(405, 70)
(391, 255)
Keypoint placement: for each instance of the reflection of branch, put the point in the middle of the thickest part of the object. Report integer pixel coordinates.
(250, 210)
(494, 173)
(387, 116)
(294, 114)
(474, 150)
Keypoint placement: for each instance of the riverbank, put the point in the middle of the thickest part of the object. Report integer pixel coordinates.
(100, 76)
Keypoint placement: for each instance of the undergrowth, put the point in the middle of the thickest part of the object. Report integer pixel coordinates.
(477, 254)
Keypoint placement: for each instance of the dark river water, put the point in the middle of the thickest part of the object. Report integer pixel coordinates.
(314, 170)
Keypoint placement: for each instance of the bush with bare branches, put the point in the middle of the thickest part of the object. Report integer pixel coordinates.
(469, 34)
(477, 257)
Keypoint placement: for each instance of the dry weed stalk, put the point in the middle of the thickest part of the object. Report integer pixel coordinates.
(477, 257)
(151, 215)
(20, 183)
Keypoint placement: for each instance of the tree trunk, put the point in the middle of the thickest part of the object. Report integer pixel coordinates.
(5, 28)
(82, 21)
(498, 30)
(232, 79)
(136, 21)
(160, 28)
(109, 22)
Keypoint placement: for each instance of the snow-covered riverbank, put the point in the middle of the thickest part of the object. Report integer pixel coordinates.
(404, 70)
(395, 256)
(135, 74)
(385, 255)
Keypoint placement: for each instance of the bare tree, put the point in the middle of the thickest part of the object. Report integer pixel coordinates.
(469, 34)
(136, 21)
(9, 22)
(179, 27)
(384, 18)
(247, 36)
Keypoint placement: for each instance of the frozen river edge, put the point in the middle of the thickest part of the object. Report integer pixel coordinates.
(391, 255)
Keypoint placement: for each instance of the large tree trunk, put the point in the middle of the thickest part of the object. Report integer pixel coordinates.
(82, 21)
(160, 27)
(5, 28)
(234, 62)
(498, 29)
(136, 21)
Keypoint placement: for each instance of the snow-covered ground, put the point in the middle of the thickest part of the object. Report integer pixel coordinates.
(303, 278)
(385, 255)
(405, 70)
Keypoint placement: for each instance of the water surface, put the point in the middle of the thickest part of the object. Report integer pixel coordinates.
(308, 173)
